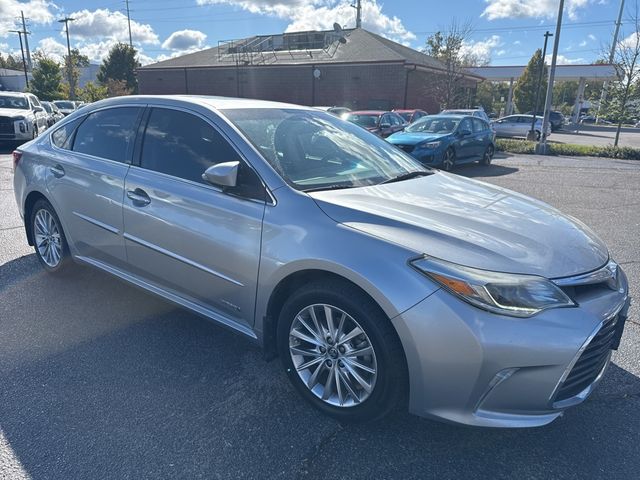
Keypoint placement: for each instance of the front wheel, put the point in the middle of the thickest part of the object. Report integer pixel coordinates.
(449, 160)
(341, 352)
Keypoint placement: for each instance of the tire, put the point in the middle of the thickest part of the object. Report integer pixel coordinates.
(380, 352)
(487, 156)
(48, 239)
(449, 160)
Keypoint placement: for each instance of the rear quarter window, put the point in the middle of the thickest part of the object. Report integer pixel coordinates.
(63, 136)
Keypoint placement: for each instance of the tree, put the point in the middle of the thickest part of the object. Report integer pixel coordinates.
(449, 86)
(92, 92)
(75, 63)
(46, 78)
(625, 92)
(525, 90)
(491, 96)
(11, 63)
(120, 65)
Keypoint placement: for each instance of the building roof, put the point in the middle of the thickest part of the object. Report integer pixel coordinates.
(6, 72)
(300, 48)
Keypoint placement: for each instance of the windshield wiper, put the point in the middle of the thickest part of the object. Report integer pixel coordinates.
(408, 176)
(336, 186)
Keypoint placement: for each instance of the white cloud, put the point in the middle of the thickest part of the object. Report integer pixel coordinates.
(481, 49)
(52, 48)
(526, 8)
(321, 15)
(583, 43)
(562, 60)
(38, 12)
(105, 24)
(592, 37)
(185, 40)
(95, 51)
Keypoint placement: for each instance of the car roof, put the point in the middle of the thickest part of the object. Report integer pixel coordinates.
(369, 112)
(13, 94)
(406, 110)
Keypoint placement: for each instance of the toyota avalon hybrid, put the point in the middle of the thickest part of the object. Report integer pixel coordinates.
(378, 282)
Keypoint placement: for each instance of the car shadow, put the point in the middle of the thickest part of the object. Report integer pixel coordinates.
(476, 170)
(6, 148)
(102, 380)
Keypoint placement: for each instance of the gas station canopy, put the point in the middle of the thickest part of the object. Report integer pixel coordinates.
(563, 72)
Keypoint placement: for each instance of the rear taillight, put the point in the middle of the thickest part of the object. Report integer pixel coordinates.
(17, 155)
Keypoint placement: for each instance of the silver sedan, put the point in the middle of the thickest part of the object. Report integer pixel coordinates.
(376, 281)
(518, 126)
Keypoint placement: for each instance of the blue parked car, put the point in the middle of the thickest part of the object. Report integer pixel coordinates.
(447, 140)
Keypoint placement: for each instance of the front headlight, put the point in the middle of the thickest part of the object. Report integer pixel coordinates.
(19, 117)
(503, 293)
(430, 144)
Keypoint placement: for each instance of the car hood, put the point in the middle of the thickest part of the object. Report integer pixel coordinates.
(413, 138)
(12, 112)
(470, 223)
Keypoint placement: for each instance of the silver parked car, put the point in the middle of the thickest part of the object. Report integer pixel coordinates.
(518, 126)
(374, 279)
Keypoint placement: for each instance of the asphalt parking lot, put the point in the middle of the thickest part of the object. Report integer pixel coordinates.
(100, 380)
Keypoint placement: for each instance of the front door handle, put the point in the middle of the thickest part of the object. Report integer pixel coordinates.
(139, 197)
(57, 171)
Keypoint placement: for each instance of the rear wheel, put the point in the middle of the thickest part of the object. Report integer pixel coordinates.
(449, 160)
(341, 352)
(488, 155)
(48, 238)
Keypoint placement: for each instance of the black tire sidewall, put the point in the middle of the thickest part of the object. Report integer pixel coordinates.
(66, 257)
(390, 363)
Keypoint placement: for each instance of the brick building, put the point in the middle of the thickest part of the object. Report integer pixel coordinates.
(353, 68)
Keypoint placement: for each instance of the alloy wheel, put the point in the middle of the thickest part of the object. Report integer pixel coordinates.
(333, 355)
(448, 161)
(47, 238)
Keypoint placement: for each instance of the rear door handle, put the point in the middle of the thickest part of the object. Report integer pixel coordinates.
(57, 171)
(139, 197)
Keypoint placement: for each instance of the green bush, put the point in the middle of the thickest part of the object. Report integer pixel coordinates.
(567, 149)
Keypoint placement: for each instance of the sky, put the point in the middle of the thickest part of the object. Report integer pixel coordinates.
(505, 32)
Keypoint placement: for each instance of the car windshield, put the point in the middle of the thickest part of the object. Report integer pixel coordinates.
(9, 101)
(434, 125)
(47, 107)
(405, 115)
(66, 105)
(363, 119)
(314, 150)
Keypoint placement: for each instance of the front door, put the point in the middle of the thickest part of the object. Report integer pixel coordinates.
(184, 235)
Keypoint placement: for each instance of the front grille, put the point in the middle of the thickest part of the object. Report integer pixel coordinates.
(593, 359)
(6, 125)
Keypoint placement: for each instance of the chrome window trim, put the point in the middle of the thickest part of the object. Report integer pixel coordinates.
(270, 200)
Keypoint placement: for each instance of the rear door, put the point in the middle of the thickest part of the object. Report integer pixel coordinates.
(482, 136)
(466, 142)
(90, 159)
(194, 240)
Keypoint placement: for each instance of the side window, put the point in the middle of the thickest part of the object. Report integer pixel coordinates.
(385, 119)
(396, 120)
(183, 145)
(465, 124)
(34, 101)
(479, 125)
(108, 133)
(63, 136)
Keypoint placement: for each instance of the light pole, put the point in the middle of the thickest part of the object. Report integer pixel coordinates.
(541, 147)
(72, 87)
(24, 62)
(612, 55)
(532, 132)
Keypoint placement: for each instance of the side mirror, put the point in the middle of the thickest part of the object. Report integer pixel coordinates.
(465, 133)
(38, 109)
(222, 174)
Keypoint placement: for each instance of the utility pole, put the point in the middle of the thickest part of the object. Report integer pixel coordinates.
(532, 132)
(72, 87)
(26, 40)
(358, 7)
(541, 148)
(24, 63)
(129, 22)
(612, 55)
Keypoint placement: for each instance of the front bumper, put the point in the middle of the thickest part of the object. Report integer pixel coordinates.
(473, 367)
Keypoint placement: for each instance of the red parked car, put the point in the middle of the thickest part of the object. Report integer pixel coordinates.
(379, 122)
(411, 116)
